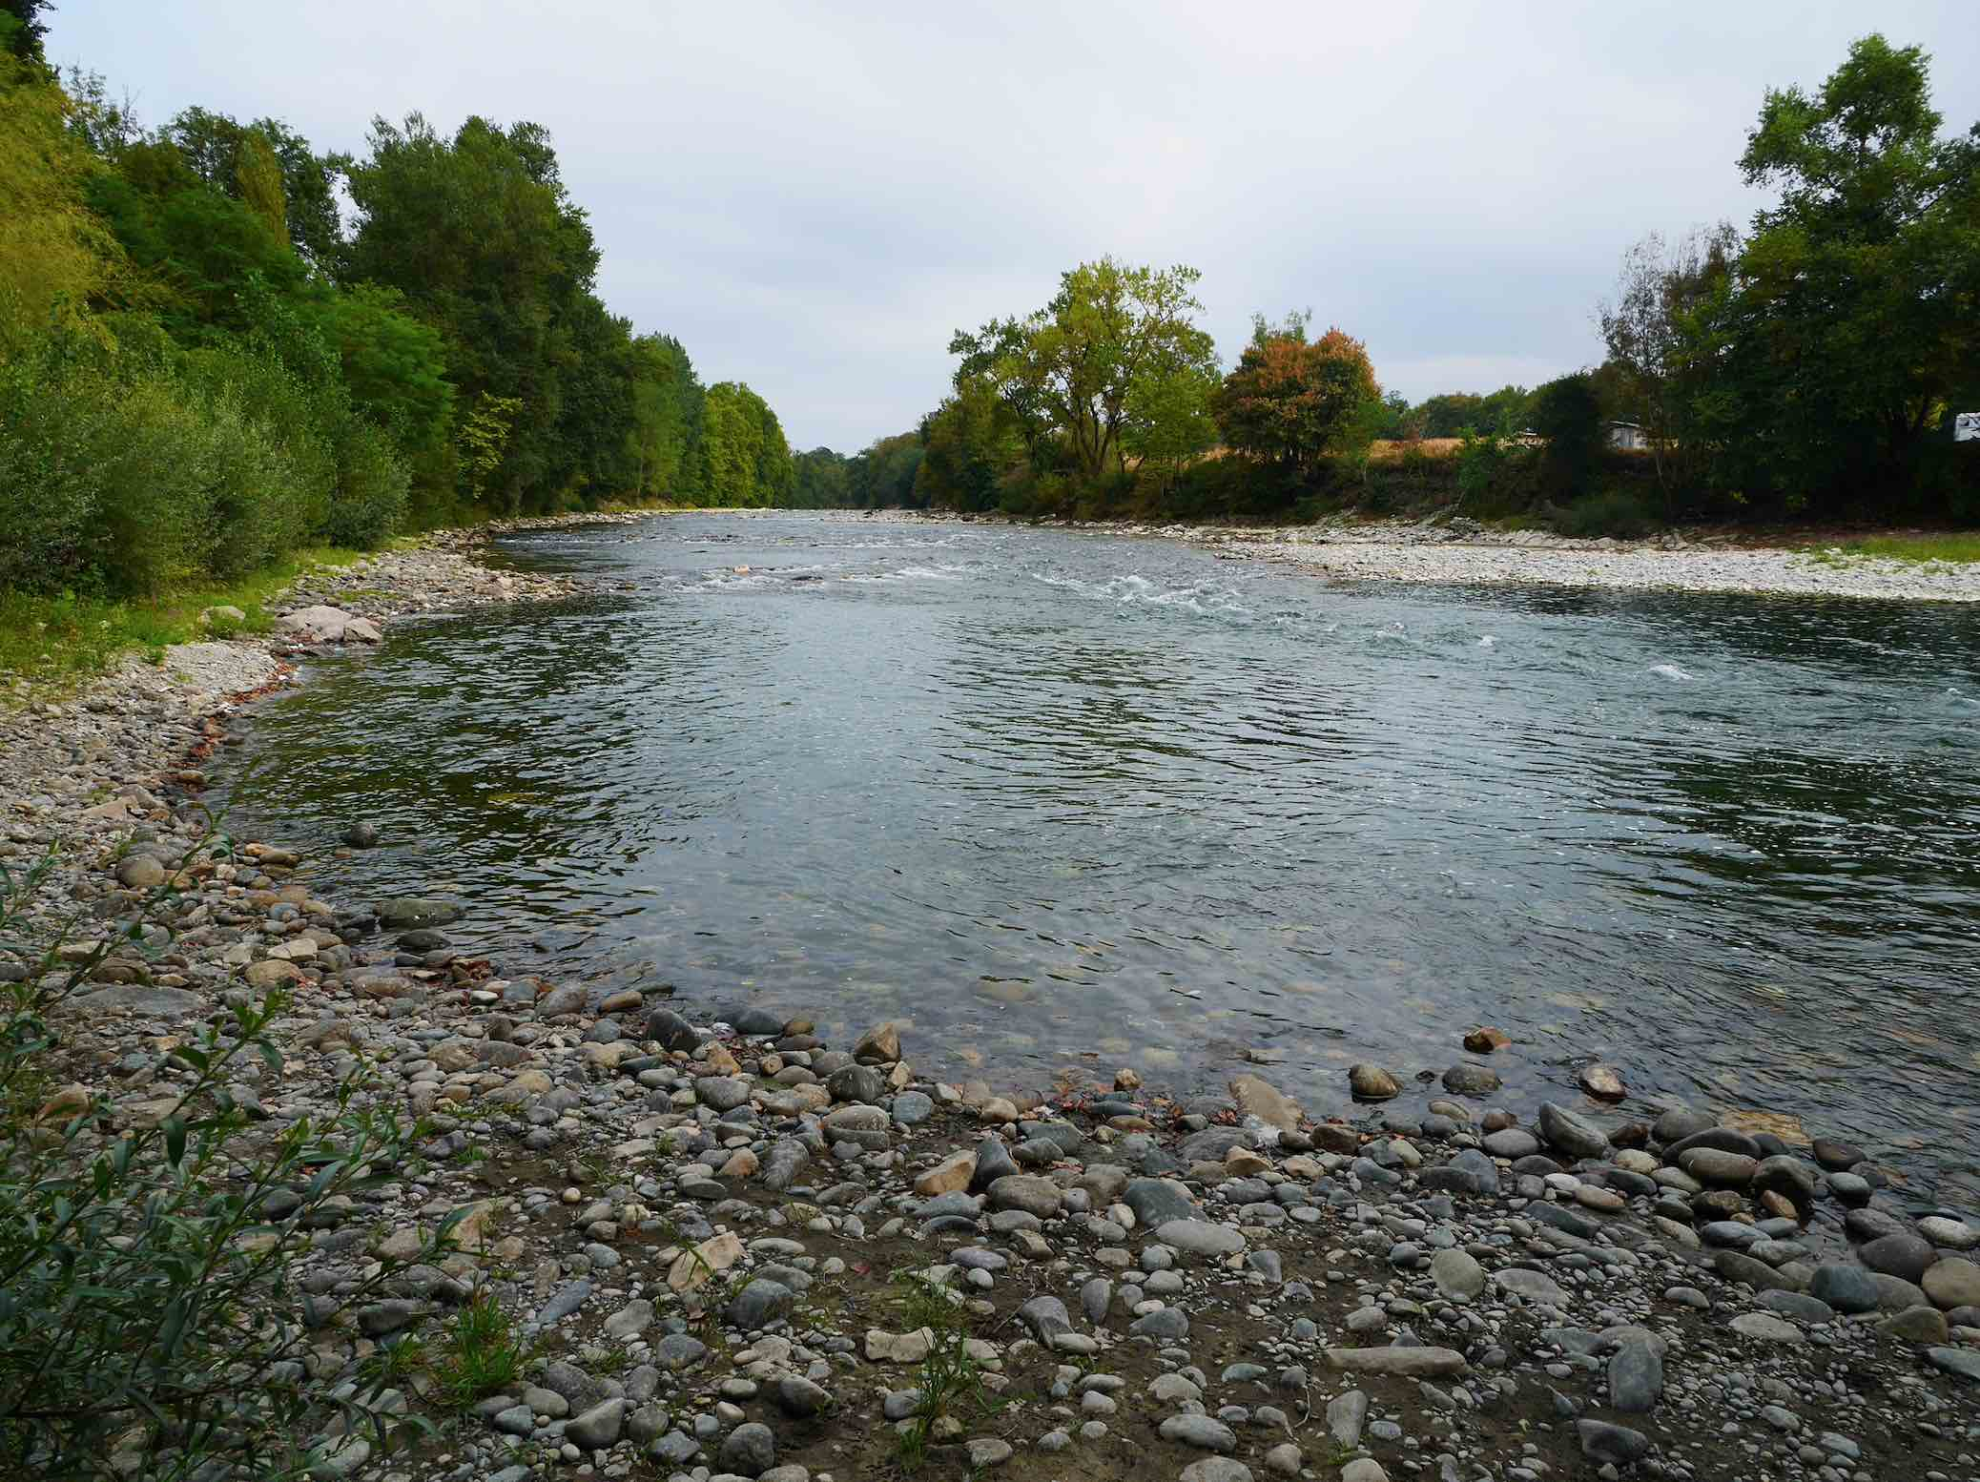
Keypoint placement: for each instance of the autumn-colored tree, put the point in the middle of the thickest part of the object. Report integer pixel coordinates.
(1289, 400)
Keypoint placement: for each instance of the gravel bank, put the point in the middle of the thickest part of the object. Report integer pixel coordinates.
(1688, 569)
(1461, 552)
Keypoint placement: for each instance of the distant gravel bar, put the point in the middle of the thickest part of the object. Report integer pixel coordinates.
(1695, 569)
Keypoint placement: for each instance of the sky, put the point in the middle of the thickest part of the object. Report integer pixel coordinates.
(814, 197)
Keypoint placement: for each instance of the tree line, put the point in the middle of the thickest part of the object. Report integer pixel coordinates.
(1810, 366)
(205, 361)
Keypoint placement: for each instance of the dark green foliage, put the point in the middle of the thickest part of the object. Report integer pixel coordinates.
(820, 480)
(1613, 512)
(373, 483)
(969, 444)
(1567, 415)
(480, 236)
(213, 146)
(233, 377)
(1502, 411)
(197, 248)
(394, 367)
(667, 399)
(22, 29)
(882, 475)
(1808, 368)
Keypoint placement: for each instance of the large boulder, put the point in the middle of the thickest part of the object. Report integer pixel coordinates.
(318, 624)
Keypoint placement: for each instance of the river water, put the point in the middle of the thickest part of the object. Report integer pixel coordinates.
(1060, 801)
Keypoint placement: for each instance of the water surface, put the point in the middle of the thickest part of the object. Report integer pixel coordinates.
(1061, 800)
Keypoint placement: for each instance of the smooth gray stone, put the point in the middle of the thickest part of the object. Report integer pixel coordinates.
(1636, 1378)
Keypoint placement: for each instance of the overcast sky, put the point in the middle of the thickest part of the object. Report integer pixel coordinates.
(813, 197)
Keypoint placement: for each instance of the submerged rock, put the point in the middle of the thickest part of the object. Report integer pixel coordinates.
(1371, 1083)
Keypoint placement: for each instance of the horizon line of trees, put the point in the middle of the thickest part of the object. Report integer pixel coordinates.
(206, 361)
(1808, 367)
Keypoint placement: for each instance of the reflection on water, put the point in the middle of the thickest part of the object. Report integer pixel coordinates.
(1063, 800)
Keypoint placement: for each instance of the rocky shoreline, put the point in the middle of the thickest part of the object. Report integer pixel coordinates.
(735, 1250)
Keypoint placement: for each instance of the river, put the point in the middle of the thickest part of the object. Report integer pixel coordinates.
(1059, 802)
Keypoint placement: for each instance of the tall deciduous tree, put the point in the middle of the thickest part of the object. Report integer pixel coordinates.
(666, 416)
(968, 444)
(1069, 369)
(1858, 302)
(742, 454)
(227, 155)
(479, 235)
(1567, 414)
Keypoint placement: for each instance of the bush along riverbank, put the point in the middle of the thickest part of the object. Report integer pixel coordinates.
(295, 1185)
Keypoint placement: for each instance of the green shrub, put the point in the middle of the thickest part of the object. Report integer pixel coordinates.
(136, 469)
(47, 499)
(1613, 512)
(372, 484)
(151, 458)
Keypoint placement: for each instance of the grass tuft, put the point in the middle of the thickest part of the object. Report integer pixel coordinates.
(950, 1379)
(1959, 546)
(482, 1353)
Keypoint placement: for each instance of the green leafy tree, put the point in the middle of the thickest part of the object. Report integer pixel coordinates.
(666, 417)
(480, 236)
(744, 459)
(1857, 303)
(1446, 414)
(22, 29)
(882, 474)
(969, 444)
(1659, 329)
(484, 438)
(1170, 422)
(394, 366)
(198, 249)
(1068, 370)
(821, 480)
(227, 154)
(1567, 414)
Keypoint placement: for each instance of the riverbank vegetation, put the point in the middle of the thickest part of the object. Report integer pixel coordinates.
(220, 346)
(1806, 368)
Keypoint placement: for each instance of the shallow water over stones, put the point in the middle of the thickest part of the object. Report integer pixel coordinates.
(1063, 803)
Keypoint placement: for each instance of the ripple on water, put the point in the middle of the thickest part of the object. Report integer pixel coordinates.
(1048, 795)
